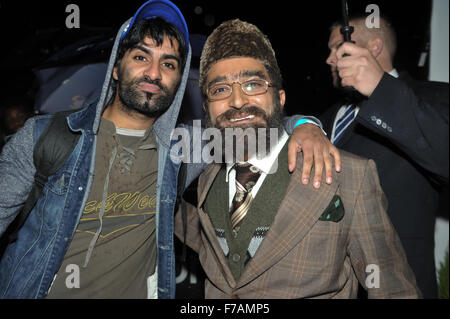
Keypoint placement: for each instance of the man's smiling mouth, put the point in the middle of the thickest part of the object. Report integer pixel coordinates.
(248, 117)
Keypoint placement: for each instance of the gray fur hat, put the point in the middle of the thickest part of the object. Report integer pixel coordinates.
(236, 38)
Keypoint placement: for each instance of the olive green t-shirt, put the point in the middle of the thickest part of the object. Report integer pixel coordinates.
(124, 255)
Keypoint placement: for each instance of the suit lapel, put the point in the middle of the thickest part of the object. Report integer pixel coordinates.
(328, 122)
(328, 117)
(299, 211)
(204, 185)
(205, 182)
(348, 133)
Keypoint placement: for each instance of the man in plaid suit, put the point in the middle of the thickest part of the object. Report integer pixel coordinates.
(275, 237)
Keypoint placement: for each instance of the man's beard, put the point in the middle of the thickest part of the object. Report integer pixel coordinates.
(258, 129)
(146, 103)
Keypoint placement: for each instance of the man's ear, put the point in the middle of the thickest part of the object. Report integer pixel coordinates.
(204, 106)
(375, 46)
(282, 94)
(115, 76)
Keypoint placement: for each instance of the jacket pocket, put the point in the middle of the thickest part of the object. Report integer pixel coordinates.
(335, 210)
(58, 183)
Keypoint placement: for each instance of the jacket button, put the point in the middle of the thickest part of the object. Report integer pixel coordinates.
(80, 188)
(236, 258)
(378, 121)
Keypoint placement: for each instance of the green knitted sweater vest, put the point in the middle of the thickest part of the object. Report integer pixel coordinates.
(240, 247)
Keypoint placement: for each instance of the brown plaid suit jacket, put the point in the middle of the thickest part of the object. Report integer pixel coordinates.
(302, 256)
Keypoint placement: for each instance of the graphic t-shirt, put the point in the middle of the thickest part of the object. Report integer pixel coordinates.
(124, 255)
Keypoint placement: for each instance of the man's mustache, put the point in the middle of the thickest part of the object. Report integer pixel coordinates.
(149, 81)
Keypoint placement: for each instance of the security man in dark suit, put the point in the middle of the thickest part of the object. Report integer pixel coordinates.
(401, 124)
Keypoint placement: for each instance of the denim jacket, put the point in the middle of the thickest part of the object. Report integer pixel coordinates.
(29, 265)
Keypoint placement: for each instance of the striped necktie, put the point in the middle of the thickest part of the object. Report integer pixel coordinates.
(345, 120)
(246, 177)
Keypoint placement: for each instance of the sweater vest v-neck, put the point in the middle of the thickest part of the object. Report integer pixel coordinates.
(239, 247)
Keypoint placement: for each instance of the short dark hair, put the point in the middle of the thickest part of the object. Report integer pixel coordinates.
(157, 29)
(386, 30)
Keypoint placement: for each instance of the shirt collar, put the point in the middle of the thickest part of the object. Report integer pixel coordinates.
(394, 73)
(266, 163)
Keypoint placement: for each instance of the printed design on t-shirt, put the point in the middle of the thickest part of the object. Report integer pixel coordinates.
(122, 211)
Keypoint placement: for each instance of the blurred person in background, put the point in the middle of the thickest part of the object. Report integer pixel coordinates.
(14, 113)
(400, 123)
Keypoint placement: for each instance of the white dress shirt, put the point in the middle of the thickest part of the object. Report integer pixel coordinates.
(266, 165)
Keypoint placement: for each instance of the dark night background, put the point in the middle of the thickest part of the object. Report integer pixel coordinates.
(298, 30)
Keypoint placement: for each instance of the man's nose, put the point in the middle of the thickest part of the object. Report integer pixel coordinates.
(153, 71)
(238, 98)
(331, 60)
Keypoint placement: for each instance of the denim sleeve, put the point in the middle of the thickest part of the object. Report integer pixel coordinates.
(16, 173)
(289, 122)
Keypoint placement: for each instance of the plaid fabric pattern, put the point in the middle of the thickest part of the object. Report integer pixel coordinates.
(304, 257)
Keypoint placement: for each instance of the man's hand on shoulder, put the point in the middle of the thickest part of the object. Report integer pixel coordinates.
(317, 149)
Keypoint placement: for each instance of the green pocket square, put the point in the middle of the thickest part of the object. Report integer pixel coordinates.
(334, 212)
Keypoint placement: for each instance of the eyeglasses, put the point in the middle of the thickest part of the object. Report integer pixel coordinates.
(222, 91)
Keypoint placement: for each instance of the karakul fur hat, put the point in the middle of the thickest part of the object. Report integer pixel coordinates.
(232, 39)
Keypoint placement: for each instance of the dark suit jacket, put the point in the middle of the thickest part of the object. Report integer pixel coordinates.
(403, 127)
